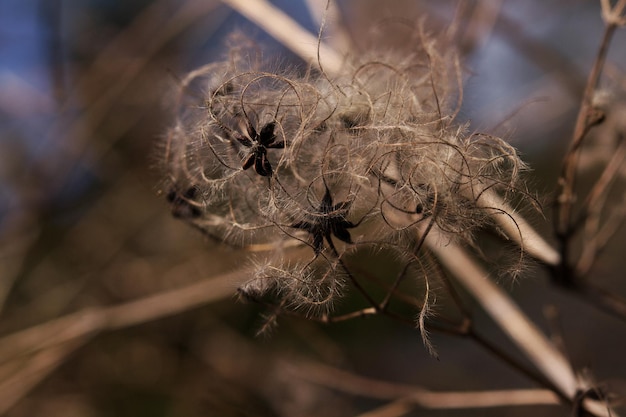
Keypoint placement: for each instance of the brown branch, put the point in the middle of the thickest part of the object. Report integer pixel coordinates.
(587, 117)
(595, 201)
(284, 29)
(509, 317)
(416, 396)
(34, 370)
(88, 322)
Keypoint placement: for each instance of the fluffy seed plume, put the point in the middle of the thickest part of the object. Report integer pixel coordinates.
(366, 157)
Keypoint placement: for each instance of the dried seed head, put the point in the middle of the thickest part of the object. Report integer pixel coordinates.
(361, 158)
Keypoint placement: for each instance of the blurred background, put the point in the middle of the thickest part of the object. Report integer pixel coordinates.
(86, 92)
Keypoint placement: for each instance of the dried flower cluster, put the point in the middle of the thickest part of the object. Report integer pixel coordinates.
(370, 157)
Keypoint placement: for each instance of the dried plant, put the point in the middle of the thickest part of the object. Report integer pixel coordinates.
(366, 158)
(345, 185)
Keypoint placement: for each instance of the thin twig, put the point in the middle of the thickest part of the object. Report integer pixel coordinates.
(505, 312)
(30, 374)
(90, 321)
(417, 396)
(593, 206)
(511, 319)
(284, 29)
(586, 118)
(464, 400)
(326, 14)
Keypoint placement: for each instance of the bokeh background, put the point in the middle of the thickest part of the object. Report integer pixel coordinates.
(86, 93)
